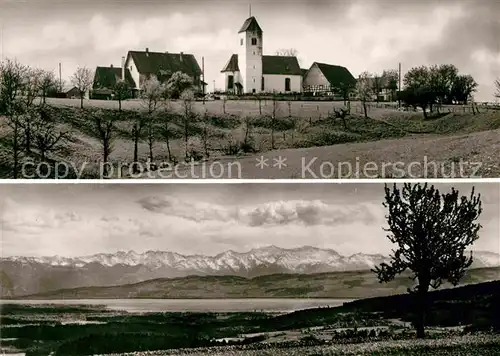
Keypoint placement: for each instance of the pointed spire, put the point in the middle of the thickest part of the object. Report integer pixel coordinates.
(249, 10)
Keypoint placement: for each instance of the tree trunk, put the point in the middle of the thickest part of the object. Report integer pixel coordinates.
(81, 101)
(150, 144)
(364, 110)
(119, 105)
(167, 139)
(28, 136)
(186, 138)
(15, 149)
(272, 133)
(105, 156)
(136, 149)
(425, 111)
(421, 296)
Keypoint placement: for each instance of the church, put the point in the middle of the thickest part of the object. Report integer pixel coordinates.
(249, 71)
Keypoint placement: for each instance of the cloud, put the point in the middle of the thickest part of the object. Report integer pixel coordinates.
(312, 212)
(33, 220)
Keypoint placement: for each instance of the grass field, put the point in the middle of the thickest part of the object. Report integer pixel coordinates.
(390, 140)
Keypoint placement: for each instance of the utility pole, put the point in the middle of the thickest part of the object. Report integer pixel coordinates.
(203, 76)
(1, 39)
(399, 87)
(60, 78)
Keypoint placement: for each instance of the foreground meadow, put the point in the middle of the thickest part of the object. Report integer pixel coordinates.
(460, 321)
(241, 131)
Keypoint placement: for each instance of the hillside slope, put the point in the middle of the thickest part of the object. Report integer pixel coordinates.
(355, 284)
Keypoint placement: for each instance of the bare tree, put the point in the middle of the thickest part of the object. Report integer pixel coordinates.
(288, 52)
(165, 131)
(82, 79)
(138, 121)
(431, 232)
(121, 91)
(497, 86)
(377, 86)
(342, 114)
(187, 117)
(47, 135)
(206, 134)
(104, 129)
(259, 100)
(12, 75)
(391, 81)
(364, 90)
(273, 119)
(31, 88)
(224, 101)
(48, 84)
(152, 95)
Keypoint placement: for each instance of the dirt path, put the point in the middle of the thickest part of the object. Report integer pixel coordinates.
(475, 155)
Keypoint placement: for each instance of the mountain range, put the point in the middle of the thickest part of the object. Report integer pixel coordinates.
(31, 275)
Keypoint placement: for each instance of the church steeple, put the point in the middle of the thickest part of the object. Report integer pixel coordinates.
(251, 25)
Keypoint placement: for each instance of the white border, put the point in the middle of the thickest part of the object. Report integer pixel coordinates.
(247, 181)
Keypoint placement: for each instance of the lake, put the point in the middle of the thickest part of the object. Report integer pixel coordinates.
(274, 305)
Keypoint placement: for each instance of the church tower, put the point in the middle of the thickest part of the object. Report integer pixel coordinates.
(250, 56)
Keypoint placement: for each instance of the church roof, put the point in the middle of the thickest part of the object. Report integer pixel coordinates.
(231, 65)
(155, 62)
(250, 24)
(336, 75)
(284, 65)
(107, 77)
(281, 65)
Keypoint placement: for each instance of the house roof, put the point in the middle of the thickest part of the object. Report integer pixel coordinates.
(156, 62)
(284, 65)
(250, 24)
(107, 77)
(231, 65)
(336, 75)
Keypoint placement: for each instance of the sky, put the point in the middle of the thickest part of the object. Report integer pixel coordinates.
(370, 35)
(83, 219)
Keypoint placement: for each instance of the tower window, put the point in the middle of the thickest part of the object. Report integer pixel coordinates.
(241, 41)
(253, 53)
(230, 82)
(287, 84)
(254, 80)
(262, 85)
(254, 41)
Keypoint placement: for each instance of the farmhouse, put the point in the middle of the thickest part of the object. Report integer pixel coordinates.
(383, 87)
(249, 71)
(105, 78)
(140, 65)
(327, 78)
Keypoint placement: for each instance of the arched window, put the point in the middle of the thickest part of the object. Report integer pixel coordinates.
(287, 84)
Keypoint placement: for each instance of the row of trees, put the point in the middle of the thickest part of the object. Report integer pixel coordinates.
(35, 129)
(424, 87)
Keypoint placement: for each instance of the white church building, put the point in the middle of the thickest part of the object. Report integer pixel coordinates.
(249, 71)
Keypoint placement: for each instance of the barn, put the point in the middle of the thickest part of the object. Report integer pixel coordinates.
(322, 78)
